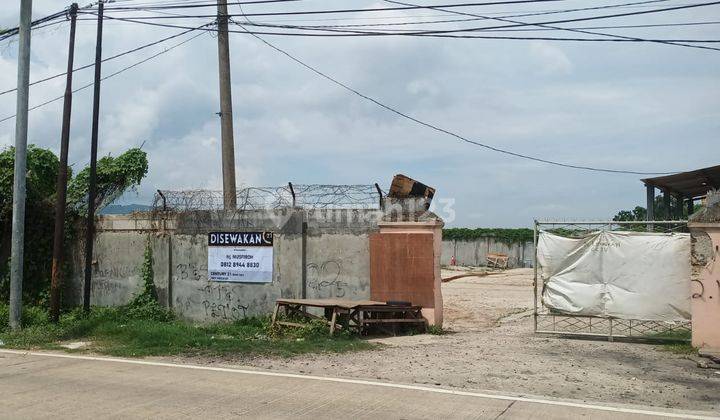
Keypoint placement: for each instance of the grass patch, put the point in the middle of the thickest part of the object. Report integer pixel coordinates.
(145, 328)
(129, 332)
(678, 342)
(436, 330)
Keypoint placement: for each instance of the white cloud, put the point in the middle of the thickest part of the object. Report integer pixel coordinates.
(551, 59)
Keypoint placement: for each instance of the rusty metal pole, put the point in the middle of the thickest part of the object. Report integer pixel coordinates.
(62, 176)
(92, 189)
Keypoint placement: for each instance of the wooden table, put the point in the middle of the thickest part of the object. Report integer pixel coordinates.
(497, 260)
(360, 313)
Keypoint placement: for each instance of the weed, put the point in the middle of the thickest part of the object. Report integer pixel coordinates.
(436, 330)
(114, 331)
(145, 328)
(677, 341)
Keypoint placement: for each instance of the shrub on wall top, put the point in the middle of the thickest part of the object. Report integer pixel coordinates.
(520, 235)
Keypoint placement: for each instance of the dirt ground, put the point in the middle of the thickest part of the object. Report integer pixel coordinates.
(491, 346)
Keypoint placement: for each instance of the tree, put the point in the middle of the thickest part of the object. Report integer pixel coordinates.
(42, 167)
(115, 176)
(640, 213)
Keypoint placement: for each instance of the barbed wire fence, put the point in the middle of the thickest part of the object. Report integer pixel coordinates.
(270, 198)
(198, 210)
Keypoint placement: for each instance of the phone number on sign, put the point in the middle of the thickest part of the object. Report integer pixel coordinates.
(239, 264)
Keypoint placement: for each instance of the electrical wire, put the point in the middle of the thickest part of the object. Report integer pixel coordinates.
(111, 58)
(612, 6)
(515, 23)
(657, 25)
(313, 12)
(8, 33)
(122, 70)
(406, 33)
(512, 24)
(650, 25)
(442, 130)
(188, 6)
(342, 11)
(347, 33)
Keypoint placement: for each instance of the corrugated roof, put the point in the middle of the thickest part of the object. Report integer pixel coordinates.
(688, 184)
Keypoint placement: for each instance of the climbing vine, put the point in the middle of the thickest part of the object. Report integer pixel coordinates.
(115, 176)
(520, 235)
(145, 305)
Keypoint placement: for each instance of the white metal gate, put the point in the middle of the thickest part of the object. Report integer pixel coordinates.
(549, 321)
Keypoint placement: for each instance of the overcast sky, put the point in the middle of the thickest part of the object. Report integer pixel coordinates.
(630, 106)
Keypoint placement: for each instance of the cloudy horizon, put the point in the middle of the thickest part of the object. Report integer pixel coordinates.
(628, 106)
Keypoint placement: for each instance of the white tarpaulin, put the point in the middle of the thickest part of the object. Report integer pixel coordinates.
(627, 275)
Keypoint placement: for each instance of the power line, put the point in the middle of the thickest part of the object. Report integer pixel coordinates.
(442, 130)
(188, 6)
(514, 23)
(522, 38)
(111, 58)
(413, 33)
(122, 70)
(340, 11)
(8, 33)
(346, 33)
(650, 25)
(656, 25)
(524, 14)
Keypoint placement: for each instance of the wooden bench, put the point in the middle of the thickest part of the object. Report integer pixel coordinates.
(357, 314)
(497, 260)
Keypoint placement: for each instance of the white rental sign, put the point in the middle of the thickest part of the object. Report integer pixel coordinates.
(240, 256)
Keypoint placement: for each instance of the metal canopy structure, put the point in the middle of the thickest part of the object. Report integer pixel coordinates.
(685, 186)
(690, 184)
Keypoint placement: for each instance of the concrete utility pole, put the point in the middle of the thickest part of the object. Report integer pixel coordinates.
(92, 188)
(226, 116)
(62, 176)
(21, 129)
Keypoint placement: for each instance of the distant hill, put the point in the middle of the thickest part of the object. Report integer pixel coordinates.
(124, 208)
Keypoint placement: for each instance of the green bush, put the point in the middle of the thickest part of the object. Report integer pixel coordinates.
(31, 316)
(114, 176)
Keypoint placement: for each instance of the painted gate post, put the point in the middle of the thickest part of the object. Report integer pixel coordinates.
(705, 231)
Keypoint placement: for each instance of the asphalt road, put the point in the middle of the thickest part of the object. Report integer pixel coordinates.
(56, 385)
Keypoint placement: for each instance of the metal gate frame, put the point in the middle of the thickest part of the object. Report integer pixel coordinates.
(547, 322)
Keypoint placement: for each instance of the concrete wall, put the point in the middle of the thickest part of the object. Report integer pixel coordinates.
(474, 253)
(338, 253)
(336, 259)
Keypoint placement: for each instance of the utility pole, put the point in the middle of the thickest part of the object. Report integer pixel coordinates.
(92, 189)
(62, 176)
(226, 116)
(21, 129)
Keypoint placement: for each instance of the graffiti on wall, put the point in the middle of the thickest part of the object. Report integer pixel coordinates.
(325, 280)
(116, 271)
(218, 301)
(194, 272)
(222, 301)
(111, 281)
